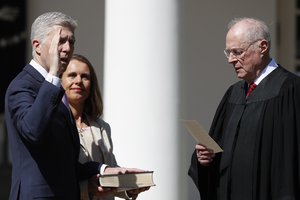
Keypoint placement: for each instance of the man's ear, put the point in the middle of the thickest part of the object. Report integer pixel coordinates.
(36, 45)
(264, 46)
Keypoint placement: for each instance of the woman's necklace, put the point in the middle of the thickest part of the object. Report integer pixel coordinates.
(80, 129)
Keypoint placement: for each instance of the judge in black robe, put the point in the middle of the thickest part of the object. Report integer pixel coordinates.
(260, 136)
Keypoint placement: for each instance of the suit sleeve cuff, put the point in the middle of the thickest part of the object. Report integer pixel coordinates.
(53, 79)
(102, 168)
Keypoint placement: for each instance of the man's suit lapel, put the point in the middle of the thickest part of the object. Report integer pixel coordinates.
(34, 73)
(61, 107)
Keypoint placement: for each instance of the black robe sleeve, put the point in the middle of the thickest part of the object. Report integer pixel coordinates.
(205, 177)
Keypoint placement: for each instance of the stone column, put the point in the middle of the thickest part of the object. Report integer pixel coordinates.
(141, 89)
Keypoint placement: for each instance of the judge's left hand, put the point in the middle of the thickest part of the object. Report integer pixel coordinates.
(205, 156)
(53, 60)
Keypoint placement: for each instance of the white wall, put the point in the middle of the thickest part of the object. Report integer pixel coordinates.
(141, 89)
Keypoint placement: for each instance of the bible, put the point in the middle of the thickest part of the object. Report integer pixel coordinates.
(127, 181)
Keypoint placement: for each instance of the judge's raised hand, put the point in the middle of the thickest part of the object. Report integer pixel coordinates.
(54, 57)
(205, 156)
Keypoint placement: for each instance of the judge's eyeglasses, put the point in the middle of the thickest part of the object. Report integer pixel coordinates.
(237, 52)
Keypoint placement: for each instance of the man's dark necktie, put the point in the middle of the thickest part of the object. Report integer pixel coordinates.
(252, 86)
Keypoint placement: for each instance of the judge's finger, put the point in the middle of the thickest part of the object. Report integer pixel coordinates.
(54, 59)
(53, 49)
(205, 153)
(207, 160)
(200, 147)
(205, 157)
(205, 163)
(203, 149)
(208, 154)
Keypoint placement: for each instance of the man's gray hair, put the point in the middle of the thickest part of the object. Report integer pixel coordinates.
(256, 29)
(43, 24)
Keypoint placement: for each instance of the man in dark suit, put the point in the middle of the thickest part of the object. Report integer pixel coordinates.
(42, 134)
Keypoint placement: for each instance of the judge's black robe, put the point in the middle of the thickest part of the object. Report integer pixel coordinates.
(260, 137)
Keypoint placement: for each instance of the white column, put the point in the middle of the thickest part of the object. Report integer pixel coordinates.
(141, 89)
